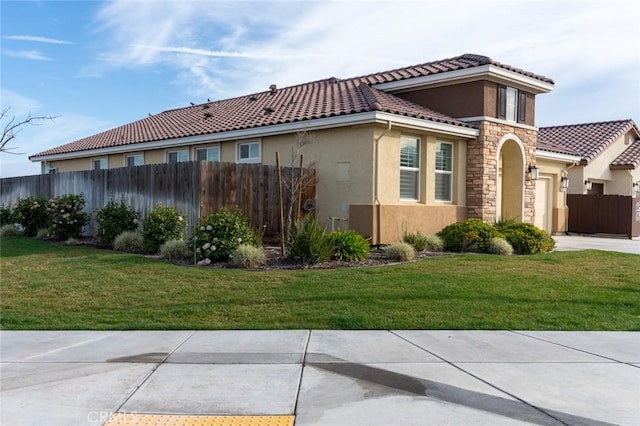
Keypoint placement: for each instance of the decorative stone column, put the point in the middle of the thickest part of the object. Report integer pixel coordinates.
(482, 170)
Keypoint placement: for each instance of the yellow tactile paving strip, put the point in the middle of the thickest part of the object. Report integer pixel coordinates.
(134, 419)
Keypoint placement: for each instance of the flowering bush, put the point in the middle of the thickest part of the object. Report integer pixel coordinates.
(32, 213)
(162, 224)
(113, 219)
(67, 217)
(6, 215)
(217, 235)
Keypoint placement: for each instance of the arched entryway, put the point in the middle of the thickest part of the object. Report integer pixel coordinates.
(510, 185)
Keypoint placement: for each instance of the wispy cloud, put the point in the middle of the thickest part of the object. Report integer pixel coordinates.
(33, 55)
(37, 39)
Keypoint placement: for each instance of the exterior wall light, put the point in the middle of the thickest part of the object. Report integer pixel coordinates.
(564, 183)
(636, 187)
(588, 185)
(535, 172)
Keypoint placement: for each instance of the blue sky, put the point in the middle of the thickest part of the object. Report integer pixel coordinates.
(98, 65)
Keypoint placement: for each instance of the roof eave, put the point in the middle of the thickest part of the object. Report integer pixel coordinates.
(272, 130)
(555, 156)
(622, 166)
(487, 72)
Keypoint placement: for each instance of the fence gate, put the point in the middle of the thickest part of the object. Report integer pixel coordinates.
(604, 214)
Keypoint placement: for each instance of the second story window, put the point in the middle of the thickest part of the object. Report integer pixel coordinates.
(512, 104)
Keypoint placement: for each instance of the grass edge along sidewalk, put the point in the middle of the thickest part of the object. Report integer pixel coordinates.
(48, 286)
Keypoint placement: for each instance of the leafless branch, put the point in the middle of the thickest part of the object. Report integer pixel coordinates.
(12, 127)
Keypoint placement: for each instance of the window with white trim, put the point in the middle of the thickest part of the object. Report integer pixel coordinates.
(100, 163)
(177, 156)
(248, 152)
(134, 160)
(512, 104)
(210, 153)
(444, 172)
(409, 168)
(49, 170)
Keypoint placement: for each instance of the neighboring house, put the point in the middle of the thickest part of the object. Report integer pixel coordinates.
(411, 149)
(609, 156)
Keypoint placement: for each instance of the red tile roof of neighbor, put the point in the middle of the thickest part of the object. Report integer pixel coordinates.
(319, 99)
(588, 140)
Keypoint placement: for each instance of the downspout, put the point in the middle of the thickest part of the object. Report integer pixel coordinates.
(566, 219)
(376, 179)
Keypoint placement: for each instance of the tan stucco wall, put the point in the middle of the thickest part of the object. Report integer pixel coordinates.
(559, 210)
(399, 218)
(616, 182)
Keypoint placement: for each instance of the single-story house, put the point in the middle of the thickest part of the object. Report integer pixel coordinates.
(609, 155)
(410, 149)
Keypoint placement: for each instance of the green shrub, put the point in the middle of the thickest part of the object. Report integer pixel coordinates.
(423, 242)
(9, 230)
(247, 256)
(128, 241)
(400, 252)
(348, 246)
(175, 250)
(113, 219)
(309, 243)
(32, 213)
(67, 216)
(525, 237)
(6, 215)
(217, 235)
(42, 234)
(472, 235)
(162, 224)
(500, 246)
(71, 242)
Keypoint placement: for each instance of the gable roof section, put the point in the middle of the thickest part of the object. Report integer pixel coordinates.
(466, 61)
(588, 140)
(629, 159)
(305, 102)
(316, 100)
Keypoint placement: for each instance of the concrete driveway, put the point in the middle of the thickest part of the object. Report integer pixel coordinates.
(319, 378)
(579, 242)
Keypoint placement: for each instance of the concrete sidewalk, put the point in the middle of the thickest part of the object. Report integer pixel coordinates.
(321, 377)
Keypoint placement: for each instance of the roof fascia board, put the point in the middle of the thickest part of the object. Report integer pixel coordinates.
(498, 121)
(488, 71)
(257, 132)
(548, 155)
(417, 123)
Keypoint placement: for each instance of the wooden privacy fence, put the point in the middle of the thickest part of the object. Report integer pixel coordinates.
(196, 189)
(606, 214)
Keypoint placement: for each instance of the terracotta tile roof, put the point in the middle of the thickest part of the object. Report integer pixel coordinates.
(319, 99)
(468, 60)
(588, 140)
(629, 159)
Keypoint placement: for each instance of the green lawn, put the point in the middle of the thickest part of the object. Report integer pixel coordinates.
(46, 286)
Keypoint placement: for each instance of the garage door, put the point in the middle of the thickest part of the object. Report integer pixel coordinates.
(543, 204)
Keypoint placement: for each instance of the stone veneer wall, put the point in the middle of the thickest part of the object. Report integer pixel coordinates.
(482, 170)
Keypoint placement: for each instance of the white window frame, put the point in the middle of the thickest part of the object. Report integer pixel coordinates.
(101, 160)
(139, 155)
(442, 172)
(249, 159)
(207, 148)
(178, 152)
(415, 170)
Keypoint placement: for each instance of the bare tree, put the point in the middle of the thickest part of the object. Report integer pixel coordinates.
(297, 180)
(13, 127)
